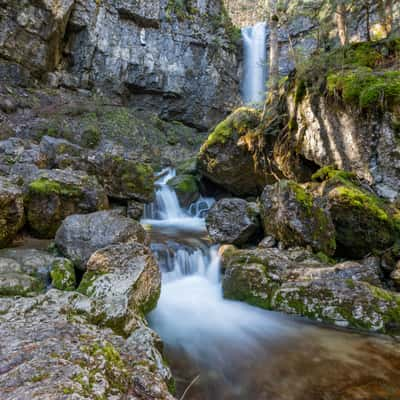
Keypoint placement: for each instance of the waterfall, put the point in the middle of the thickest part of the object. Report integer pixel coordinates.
(191, 312)
(255, 63)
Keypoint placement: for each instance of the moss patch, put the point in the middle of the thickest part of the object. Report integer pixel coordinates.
(237, 124)
(63, 275)
(45, 186)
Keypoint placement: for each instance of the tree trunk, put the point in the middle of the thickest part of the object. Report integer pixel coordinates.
(274, 52)
(388, 16)
(341, 23)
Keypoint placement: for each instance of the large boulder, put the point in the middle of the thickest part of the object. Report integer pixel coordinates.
(53, 353)
(296, 282)
(56, 194)
(122, 177)
(81, 235)
(126, 281)
(364, 223)
(11, 211)
(233, 221)
(293, 216)
(226, 157)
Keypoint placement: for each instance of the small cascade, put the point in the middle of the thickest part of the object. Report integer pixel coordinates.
(255, 63)
(191, 311)
(166, 205)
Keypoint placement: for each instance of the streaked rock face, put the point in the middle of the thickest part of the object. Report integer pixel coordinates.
(156, 54)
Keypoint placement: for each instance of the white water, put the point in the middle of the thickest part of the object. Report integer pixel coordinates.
(241, 352)
(191, 312)
(255, 63)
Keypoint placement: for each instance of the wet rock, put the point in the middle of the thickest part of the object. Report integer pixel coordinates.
(52, 353)
(135, 209)
(56, 194)
(11, 211)
(233, 221)
(292, 216)
(125, 280)
(186, 188)
(81, 235)
(226, 158)
(296, 282)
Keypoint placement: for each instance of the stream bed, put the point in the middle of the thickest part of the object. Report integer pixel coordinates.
(226, 350)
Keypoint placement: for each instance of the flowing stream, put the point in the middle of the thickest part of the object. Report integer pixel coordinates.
(255, 63)
(232, 351)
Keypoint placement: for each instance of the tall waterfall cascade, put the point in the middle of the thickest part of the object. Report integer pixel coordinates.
(255, 63)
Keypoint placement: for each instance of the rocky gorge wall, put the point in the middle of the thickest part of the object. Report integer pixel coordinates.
(178, 58)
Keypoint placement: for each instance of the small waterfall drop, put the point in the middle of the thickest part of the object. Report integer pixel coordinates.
(255, 63)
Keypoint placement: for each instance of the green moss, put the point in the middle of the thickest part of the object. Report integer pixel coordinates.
(40, 377)
(63, 275)
(184, 184)
(88, 278)
(357, 198)
(366, 88)
(45, 186)
(330, 172)
(325, 258)
(91, 137)
(238, 123)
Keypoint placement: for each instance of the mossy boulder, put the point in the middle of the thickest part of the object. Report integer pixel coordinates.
(11, 211)
(63, 275)
(227, 157)
(124, 178)
(56, 194)
(364, 223)
(186, 188)
(295, 281)
(292, 215)
(126, 281)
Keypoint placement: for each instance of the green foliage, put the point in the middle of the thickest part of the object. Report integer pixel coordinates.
(366, 88)
(182, 9)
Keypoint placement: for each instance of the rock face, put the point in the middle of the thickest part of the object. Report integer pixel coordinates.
(233, 221)
(226, 158)
(11, 211)
(291, 215)
(55, 194)
(81, 235)
(65, 356)
(294, 281)
(159, 54)
(125, 281)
